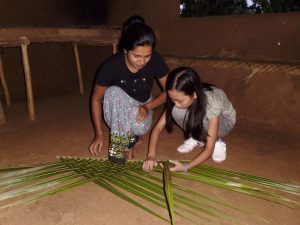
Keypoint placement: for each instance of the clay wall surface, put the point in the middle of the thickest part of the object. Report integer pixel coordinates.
(52, 65)
(244, 37)
(266, 100)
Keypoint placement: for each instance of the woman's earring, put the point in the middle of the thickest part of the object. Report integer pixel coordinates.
(125, 51)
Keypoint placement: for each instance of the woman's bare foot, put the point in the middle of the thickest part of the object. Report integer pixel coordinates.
(140, 141)
(129, 154)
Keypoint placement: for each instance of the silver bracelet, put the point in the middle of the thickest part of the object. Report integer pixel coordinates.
(186, 167)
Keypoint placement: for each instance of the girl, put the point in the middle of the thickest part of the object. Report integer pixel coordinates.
(124, 82)
(204, 113)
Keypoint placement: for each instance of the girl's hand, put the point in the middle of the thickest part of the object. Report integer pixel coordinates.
(96, 145)
(179, 167)
(142, 114)
(149, 163)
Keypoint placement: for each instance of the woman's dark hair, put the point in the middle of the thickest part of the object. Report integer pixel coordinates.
(136, 33)
(186, 80)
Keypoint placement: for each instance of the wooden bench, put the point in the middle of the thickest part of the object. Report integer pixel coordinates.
(22, 37)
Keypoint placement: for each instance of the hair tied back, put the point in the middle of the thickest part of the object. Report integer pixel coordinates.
(136, 19)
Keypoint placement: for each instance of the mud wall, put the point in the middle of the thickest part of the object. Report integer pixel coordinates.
(269, 99)
(52, 65)
(262, 37)
(52, 13)
(266, 100)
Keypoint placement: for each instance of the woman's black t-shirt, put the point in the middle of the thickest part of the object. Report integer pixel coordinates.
(114, 72)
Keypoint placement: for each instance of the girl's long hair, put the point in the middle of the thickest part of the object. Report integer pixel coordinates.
(186, 80)
(136, 33)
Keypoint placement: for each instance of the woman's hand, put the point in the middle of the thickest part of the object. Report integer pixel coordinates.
(149, 163)
(96, 145)
(142, 114)
(179, 167)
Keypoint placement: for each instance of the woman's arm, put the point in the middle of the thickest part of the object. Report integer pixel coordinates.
(158, 101)
(96, 108)
(154, 136)
(213, 125)
(161, 99)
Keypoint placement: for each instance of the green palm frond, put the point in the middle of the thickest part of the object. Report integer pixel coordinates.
(168, 190)
(131, 183)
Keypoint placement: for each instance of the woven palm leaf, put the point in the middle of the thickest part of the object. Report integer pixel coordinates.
(131, 183)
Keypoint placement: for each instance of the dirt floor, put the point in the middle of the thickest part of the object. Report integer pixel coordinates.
(63, 127)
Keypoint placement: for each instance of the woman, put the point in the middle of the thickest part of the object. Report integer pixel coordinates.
(204, 113)
(124, 82)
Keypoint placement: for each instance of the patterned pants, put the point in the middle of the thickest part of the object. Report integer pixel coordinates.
(120, 111)
(225, 124)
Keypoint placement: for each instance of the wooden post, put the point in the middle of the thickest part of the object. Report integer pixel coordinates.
(78, 67)
(2, 117)
(28, 82)
(3, 82)
(115, 45)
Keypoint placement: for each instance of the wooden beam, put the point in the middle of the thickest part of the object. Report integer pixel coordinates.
(46, 35)
(11, 42)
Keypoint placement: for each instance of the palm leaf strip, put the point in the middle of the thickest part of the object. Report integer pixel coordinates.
(37, 187)
(13, 172)
(32, 177)
(135, 167)
(216, 181)
(46, 193)
(103, 181)
(149, 185)
(281, 186)
(115, 179)
(191, 203)
(167, 181)
(132, 179)
(118, 171)
(156, 188)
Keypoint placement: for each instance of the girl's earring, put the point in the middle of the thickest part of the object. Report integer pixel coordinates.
(195, 96)
(125, 51)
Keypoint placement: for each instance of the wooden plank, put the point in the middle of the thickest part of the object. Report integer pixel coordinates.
(11, 42)
(45, 35)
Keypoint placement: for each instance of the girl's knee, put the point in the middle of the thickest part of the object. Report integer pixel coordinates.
(141, 128)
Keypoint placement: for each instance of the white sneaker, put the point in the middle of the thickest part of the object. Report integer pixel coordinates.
(219, 154)
(189, 145)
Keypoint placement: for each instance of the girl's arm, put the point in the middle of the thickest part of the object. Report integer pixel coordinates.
(154, 136)
(96, 108)
(158, 101)
(213, 125)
